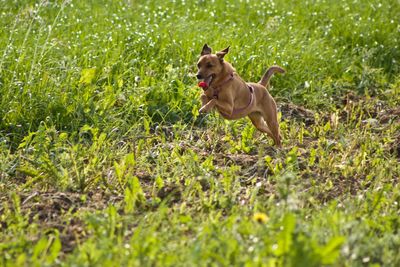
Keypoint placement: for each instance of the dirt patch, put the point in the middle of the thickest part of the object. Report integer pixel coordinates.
(389, 115)
(243, 160)
(291, 111)
(57, 210)
(394, 147)
(368, 108)
(342, 186)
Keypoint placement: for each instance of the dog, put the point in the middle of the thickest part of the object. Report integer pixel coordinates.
(225, 90)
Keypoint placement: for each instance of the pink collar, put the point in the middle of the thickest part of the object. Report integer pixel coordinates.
(216, 89)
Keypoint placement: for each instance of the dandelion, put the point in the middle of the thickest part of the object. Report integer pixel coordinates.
(260, 217)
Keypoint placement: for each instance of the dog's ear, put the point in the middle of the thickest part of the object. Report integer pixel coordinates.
(222, 53)
(206, 50)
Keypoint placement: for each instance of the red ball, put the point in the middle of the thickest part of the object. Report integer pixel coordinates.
(203, 84)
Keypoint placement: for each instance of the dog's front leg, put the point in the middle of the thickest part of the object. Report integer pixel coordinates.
(225, 108)
(204, 99)
(208, 106)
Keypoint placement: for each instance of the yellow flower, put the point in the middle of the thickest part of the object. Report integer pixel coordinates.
(260, 217)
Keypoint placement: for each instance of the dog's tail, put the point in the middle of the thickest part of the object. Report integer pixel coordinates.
(267, 75)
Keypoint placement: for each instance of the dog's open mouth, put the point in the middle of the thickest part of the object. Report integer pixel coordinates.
(208, 80)
(205, 83)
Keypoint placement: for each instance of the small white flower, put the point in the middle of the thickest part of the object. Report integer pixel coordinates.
(365, 259)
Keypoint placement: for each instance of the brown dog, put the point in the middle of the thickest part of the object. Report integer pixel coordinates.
(233, 97)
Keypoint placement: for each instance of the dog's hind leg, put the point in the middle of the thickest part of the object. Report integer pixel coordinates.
(271, 118)
(258, 121)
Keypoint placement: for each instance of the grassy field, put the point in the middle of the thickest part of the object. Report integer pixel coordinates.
(105, 160)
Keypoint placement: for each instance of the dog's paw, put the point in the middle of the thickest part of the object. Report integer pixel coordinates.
(203, 110)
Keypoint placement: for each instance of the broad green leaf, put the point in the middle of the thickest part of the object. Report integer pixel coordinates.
(87, 76)
(285, 237)
(331, 251)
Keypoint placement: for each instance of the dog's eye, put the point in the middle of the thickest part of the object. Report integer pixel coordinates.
(209, 65)
(198, 66)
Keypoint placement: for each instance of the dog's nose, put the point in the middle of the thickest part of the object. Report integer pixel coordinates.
(199, 76)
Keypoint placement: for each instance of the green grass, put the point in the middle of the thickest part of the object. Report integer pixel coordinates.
(105, 160)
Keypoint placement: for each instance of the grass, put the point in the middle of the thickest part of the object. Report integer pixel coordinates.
(105, 160)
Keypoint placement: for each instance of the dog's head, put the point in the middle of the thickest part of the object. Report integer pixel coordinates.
(210, 65)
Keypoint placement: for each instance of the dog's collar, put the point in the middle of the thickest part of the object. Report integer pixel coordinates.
(216, 89)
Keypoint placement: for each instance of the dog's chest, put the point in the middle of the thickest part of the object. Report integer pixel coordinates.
(210, 93)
